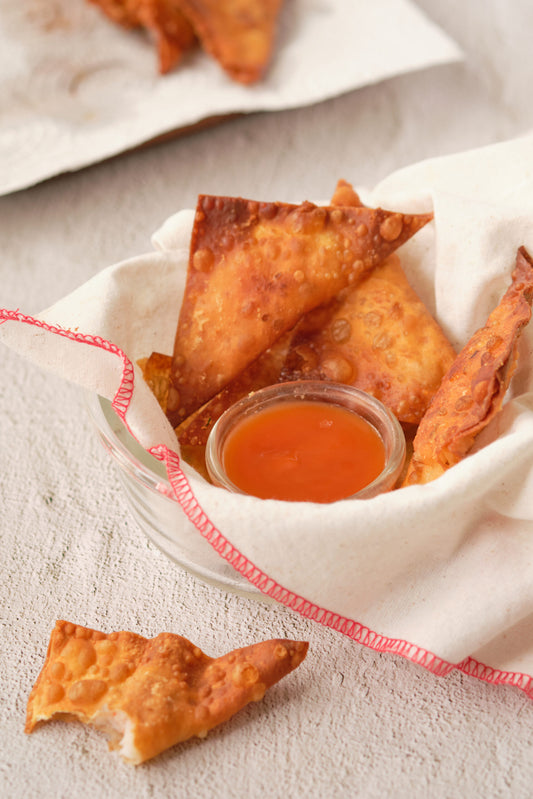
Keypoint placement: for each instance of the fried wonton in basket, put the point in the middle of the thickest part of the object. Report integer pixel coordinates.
(149, 694)
(472, 392)
(254, 270)
(376, 335)
(193, 432)
(380, 338)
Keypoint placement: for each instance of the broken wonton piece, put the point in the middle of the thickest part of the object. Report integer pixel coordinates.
(472, 392)
(149, 694)
(254, 270)
(239, 34)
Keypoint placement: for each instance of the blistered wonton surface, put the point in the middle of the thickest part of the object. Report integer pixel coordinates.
(472, 392)
(255, 269)
(376, 335)
(149, 694)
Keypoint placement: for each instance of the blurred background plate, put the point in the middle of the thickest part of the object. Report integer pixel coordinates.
(76, 89)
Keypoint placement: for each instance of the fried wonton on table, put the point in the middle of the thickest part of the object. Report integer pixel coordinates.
(472, 391)
(239, 34)
(254, 270)
(150, 694)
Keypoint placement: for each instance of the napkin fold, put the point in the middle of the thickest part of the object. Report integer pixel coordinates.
(78, 89)
(440, 573)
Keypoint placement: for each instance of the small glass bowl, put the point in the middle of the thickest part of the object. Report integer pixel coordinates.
(149, 497)
(364, 405)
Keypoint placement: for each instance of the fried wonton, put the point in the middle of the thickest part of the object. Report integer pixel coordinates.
(254, 270)
(163, 19)
(239, 34)
(262, 372)
(156, 373)
(193, 432)
(149, 694)
(472, 392)
(171, 30)
(377, 336)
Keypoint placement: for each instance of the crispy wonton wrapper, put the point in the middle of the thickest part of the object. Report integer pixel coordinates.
(193, 432)
(254, 270)
(149, 694)
(473, 390)
(163, 19)
(377, 336)
(172, 31)
(239, 34)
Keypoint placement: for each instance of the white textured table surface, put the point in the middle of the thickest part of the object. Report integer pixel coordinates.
(349, 722)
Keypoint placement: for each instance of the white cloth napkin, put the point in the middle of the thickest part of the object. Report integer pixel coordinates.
(77, 89)
(440, 573)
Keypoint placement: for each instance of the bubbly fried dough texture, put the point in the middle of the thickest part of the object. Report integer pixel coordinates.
(377, 336)
(472, 391)
(163, 19)
(149, 694)
(264, 371)
(239, 34)
(380, 338)
(254, 270)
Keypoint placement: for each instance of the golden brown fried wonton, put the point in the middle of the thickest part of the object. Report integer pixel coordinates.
(172, 31)
(254, 270)
(473, 390)
(377, 336)
(265, 370)
(239, 34)
(149, 694)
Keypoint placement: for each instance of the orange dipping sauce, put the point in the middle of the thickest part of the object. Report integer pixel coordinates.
(303, 451)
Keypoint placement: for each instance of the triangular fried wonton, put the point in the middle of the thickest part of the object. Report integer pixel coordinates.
(172, 31)
(254, 270)
(377, 336)
(262, 372)
(149, 694)
(472, 392)
(239, 34)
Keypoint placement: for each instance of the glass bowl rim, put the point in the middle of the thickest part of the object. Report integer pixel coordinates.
(365, 405)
